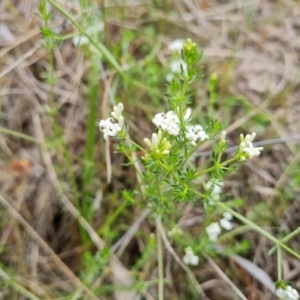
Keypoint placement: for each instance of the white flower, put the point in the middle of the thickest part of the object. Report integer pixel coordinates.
(175, 231)
(190, 258)
(227, 215)
(175, 66)
(226, 224)
(223, 137)
(287, 294)
(195, 133)
(167, 122)
(158, 145)
(176, 45)
(215, 194)
(213, 231)
(80, 40)
(169, 77)
(109, 127)
(246, 148)
(187, 114)
(117, 113)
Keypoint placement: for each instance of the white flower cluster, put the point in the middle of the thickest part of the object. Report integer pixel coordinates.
(214, 229)
(287, 294)
(195, 133)
(175, 68)
(175, 231)
(109, 126)
(176, 64)
(225, 221)
(246, 148)
(170, 123)
(80, 40)
(214, 196)
(167, 122)
(158, 145)
(176, 45)
(190, 258)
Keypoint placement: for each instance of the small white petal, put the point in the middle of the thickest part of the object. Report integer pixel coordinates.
(195, 133)
(226, 224)
(227, 215)
(169, 77)
(190, 258)
(186, 259)
(155, 140)
(287, 294)
(121, 121)
(223, 137)
(253, 135)
(147, 142)
(188, 114)
(213, 231)
(176, 45)
(114, 115)
(194, 261)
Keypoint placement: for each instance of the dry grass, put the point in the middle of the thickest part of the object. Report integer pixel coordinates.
(254, 47)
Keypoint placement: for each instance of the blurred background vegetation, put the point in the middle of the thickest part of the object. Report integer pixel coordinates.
(71, 224)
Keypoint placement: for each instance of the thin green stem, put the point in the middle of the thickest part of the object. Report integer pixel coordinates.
(129, 157)
(184, 88)
(177, 178)
(136, 145)
(258, 229)
(291, 235)
(19, 135)
(56, 128)
(52, 71)
(286, 239)
(168, 169)
(216, 167)
(279, 265)
(219, 157)
(20, 289)
(158, 186)
(100, 47)
(59, 132)
(160, 260)
(236, 231)
(91, 130)
(103, 50)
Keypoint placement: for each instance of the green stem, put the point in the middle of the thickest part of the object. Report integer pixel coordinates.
(258, 229)
(160, 260)
(286, 239)
(11, 282)
(158, 187)
(168, 169)
(279, 266)
(216, 167)
(56, 127)
(184, 88)
(136, 145)
(219, 157)
(19, 135)
(129, 157)
(100, 47)
(52, 71)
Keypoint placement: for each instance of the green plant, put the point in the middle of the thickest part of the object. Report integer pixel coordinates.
(168, 174)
